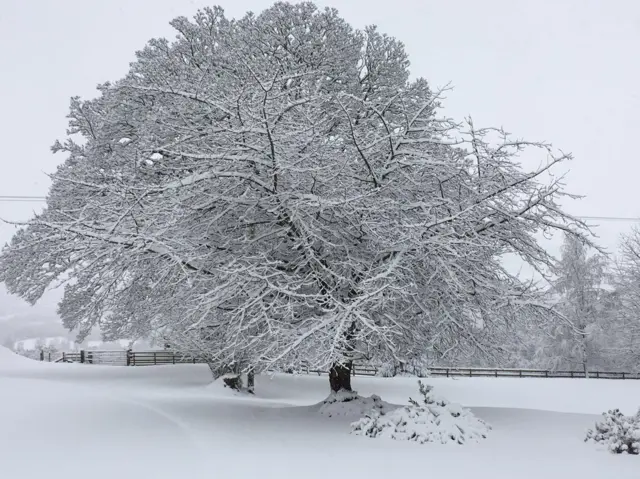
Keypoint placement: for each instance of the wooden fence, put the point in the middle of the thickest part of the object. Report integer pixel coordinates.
(129, 358)
(163, 357)
(436, 371)
(528, 373)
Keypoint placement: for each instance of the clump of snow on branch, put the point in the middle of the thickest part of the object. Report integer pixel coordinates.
(431, 420)
(350, 404)
(619, 433)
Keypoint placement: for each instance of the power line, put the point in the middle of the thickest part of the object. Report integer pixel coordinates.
(21, 198)
(37, 199)
(608, 218)
(24, 197)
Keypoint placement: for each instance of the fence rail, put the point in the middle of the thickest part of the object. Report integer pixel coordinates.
(154, 358)
(163, 357)
(529, 373)
(129, 358)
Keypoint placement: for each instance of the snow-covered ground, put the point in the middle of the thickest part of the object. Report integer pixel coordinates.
(72, 420)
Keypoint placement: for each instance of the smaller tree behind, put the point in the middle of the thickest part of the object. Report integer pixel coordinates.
(580, 287)
(625, 344)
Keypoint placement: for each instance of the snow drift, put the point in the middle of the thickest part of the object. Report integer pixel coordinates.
(170, 421)
(9, 359)
(350, 404)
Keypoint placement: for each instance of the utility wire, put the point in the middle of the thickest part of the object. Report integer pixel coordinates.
(21, 198)
(608, 218)
(37, 199)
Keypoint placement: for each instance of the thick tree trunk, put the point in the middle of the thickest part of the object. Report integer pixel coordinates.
(340, 372)
(233, 381)
(340, 376)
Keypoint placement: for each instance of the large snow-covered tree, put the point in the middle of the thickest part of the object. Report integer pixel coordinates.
(276, 189)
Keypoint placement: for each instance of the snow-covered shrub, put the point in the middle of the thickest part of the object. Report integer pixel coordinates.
(619, 433)
(416, 367)
(432, 420)
(387, 370)
(350, 404)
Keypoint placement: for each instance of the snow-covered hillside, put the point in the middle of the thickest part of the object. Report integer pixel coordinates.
(66, 344)
(172, 422)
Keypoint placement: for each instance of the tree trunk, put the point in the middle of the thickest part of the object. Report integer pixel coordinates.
(340, 376)
(233, 381)
(214, 371)
(586, 369)
(585, 353)
(251, 381)
(340, 372)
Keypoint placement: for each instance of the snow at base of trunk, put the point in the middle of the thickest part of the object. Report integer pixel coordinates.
(350, 404)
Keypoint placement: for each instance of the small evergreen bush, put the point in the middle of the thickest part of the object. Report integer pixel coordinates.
(431, 420)
(619, 433)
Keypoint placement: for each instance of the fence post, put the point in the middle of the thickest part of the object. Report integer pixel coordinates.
(90, 357)
(49, 360)
(42, 355)
(496, 371)
(82, 355)
(155, 361)
(129, 354)
(597, 374)
(447, 372)
(64, 357)
(623, 376)
(571, 373)
(520, 373)
(173, 356)
(546, 374)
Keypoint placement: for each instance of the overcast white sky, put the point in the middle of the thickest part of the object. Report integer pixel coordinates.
(564, 71)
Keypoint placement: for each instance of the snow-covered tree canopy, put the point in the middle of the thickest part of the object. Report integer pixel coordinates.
(277, 188)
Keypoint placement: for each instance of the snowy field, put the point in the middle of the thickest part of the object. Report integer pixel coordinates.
(72, 420)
